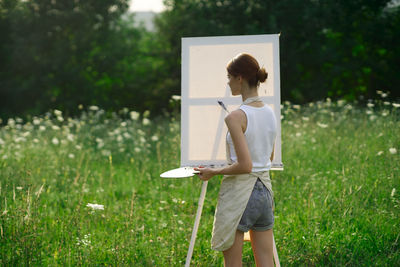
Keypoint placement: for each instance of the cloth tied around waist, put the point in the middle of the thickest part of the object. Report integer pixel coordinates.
(233, 196)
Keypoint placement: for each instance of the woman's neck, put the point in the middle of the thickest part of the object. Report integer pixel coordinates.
(249, 93)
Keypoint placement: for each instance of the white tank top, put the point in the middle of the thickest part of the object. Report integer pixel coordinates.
(260, 136)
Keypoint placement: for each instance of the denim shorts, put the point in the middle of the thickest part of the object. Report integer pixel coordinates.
(259, 213)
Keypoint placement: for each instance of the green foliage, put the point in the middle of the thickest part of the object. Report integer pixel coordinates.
(337, 200)
(59, 54)
(328, 48)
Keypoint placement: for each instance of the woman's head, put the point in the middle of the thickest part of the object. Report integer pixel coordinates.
(247, 67)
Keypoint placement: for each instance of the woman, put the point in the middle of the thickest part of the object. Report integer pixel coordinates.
(245, 201)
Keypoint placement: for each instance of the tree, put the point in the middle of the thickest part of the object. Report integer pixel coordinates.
(328, 48)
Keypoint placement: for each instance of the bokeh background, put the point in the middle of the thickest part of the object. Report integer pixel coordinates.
(62, 54)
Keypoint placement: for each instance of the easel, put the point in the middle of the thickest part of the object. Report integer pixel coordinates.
(209, 55)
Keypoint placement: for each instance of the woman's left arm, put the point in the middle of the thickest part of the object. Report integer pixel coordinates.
(235, 120)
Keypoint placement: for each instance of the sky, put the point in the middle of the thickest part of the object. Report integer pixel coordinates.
(146, 5)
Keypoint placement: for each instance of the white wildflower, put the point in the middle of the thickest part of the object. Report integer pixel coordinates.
(176, 97)
(36, 121)
(93, 108)
(392, 150)
(124, 110)
(383, 95)
(322, 125)
(369, 112)
(134, 115)
(386, 103)
(57, 112)
(146, 121)
(348, 107)
(137, 150)
(2, 142)
(385, 113)
(142, 139)
(42, 128)
(78, 147)
(70, 137)
(379, 153)
(341, 102)
(154, 138)
(146, 113)
(26, 134)
(55, 141)
(370, 105)
(396, 105)
(123, 124)
(305, 118)
(119, 138)
(71, 156)
(127, 135)
(393, 192)
(11, 122)
(80, 106)
(379, 92)
(296, 107)
(60, 118)
(298, 134)
(55, 127)
(19, 188)
(85, 241)
(372, 118)
(95, 206)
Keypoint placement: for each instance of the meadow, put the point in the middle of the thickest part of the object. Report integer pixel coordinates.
(86, 190)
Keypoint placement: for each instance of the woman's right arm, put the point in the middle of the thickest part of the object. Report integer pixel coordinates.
(234, 122)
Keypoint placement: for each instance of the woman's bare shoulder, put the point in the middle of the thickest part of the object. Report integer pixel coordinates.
(236, 116)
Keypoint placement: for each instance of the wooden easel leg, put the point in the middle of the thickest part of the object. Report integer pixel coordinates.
(276, 258)
(196, 223)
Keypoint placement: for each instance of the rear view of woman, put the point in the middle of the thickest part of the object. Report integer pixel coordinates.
(245, 201)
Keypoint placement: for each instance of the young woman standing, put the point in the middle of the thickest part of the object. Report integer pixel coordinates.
(245, 201)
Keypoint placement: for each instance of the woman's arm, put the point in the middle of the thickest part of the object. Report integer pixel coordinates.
(236, 122)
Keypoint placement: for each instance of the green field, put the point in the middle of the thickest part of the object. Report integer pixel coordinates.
(337, 201)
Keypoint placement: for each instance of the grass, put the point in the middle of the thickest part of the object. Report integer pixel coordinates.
(337, 201)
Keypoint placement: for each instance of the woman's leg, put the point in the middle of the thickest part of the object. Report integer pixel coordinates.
(262, 244)
(233, 255)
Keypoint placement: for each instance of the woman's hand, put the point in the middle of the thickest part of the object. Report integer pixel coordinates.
(205, 173)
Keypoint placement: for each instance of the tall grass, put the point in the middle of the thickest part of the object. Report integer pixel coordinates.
(337, 201)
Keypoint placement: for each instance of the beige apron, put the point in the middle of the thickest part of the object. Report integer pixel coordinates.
(233, 196)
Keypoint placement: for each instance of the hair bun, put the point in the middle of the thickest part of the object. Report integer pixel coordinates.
(262, 75)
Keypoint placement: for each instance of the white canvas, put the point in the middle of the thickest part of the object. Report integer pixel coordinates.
(204, 82)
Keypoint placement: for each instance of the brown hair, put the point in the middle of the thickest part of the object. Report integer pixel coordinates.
(247, 66)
